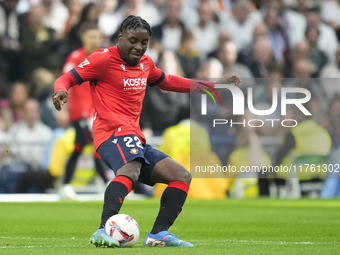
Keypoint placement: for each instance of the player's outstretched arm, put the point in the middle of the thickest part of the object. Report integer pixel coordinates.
(184, 85)
(59, 98)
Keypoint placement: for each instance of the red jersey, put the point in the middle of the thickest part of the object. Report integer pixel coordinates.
(81, 106)
(118, 90)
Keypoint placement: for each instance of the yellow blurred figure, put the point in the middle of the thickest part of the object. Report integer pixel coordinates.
(311, 140)
(61, 151)
(241, 157)
(176, 143)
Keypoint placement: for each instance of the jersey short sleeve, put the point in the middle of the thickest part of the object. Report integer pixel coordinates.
(156, 75)
(92, 68)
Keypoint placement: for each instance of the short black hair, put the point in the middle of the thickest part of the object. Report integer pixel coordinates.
(134, 22)
(87, 25)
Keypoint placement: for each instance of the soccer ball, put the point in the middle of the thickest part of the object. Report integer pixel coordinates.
(124, 229)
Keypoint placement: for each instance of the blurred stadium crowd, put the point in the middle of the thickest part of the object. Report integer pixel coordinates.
(203, 39)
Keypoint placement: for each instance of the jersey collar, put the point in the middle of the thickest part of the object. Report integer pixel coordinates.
(121, 56)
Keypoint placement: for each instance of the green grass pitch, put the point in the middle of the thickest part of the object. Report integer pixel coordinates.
(221, 227)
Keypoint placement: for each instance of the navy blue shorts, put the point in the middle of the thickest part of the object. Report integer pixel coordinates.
(117, 151)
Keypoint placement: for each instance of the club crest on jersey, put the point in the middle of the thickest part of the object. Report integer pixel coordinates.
(142, 66)
(122, 66)
(84, 63)
(134, 151)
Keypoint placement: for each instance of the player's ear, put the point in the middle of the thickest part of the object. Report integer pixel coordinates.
(120, 36)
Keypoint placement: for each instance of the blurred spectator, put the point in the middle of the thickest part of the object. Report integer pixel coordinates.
(168, 62)
(246, 56)
(39, 43)
(331, 186)
(227, 55)
(4, 141)
(162, 109)
(145, 9)
(10, 59)
(304, 69)
(211, 69)
(3, 76)
(317, 57)
(330, 13)
(29, 137)
(154, 49)
(75, 8)
(303, 6)
(300, 51)
(293, 22)
(41, 179)
(55, 156)
(206, 31)
(107, 21)
(306, 139)
(263, 58)
(248, 152)
(324, 120)
(277, 35)
(9, 24)
(56, 15)
(13, 110)
(223, 37)
(171, 30)
(334, 113)
(242, 24)
(329, 77)
(327, 41)
(42, 81)
(188, 55)
(263, 99)
(89, 13)
(332, 70)
(274, 76)
(63, 120)
(189, 15)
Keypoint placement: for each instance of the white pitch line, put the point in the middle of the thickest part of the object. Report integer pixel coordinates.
(256, 241)
(27, 237)
(199, 242)
(40, 246)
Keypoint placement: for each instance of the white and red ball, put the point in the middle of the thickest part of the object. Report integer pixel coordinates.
(124, 229)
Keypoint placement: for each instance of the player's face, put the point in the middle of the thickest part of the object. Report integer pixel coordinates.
(92, 40)
(133, 44)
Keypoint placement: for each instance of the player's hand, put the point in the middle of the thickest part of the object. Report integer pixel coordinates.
(59, 98)
(230, 79)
